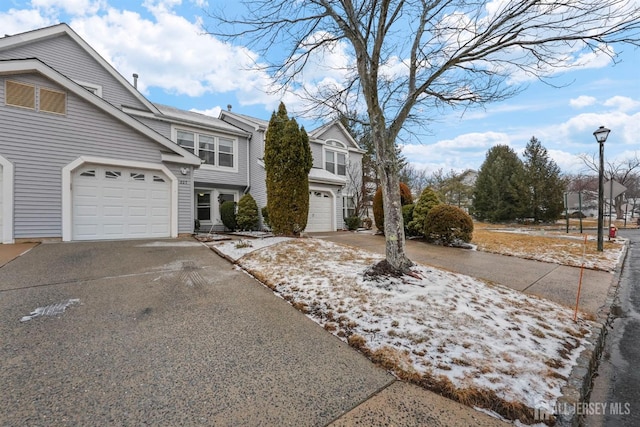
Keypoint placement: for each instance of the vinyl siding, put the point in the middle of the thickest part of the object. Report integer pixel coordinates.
(65, 56)
(316, 152)
(41, 144)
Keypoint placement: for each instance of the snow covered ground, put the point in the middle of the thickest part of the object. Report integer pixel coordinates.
(438, 325)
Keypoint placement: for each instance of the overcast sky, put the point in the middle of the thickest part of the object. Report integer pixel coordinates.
(163, 41)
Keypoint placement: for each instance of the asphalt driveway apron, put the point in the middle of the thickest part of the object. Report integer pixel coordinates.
(163, 333)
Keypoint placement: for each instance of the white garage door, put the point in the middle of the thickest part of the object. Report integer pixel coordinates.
(320, 212)
(120, 203)
(1, 205)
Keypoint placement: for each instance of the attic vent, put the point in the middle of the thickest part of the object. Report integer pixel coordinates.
(20, 95)
(53, 101)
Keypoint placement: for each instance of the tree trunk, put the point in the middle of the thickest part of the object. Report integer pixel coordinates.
(393, 222)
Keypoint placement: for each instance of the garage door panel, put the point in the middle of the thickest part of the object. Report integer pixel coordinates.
(86, 211)
(113, 193)
(137, 193)
(159, 195)
(137, 211)
(120, 203)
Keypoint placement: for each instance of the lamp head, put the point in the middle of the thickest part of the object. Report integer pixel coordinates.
(601, 134)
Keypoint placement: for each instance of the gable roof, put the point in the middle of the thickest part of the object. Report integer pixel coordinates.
(317, 133)
(63, 29)
(257, 124)
(14, 66)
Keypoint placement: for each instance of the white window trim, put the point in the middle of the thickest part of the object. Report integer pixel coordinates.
(215, 218)
(96, 89)
(336, 147)
(67, 199)
(216, 136)
(7, 201)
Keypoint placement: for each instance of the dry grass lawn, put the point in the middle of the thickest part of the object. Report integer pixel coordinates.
(547, 245)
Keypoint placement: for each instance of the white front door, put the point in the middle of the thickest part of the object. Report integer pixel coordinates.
(320, 212)
(111, 202)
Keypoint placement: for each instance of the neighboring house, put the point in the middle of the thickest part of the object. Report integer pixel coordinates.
(84, 156)
(73, 165)
(333, 180)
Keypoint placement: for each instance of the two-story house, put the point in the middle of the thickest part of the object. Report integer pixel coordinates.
(334, 178)
(85, 156)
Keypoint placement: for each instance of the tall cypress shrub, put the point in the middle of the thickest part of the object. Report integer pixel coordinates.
(287, 160)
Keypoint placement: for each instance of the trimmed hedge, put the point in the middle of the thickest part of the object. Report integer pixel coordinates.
(228, 215)
(352, 222)
(247, 216)
(448, 225)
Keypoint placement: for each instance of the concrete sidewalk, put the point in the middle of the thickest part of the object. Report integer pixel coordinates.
(10, 252)
(551, 281)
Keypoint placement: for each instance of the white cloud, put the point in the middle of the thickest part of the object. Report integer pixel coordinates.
(582, 101)
(72, 7)
(622, 103)
(172, 54)
(465, 151)
(17, 21)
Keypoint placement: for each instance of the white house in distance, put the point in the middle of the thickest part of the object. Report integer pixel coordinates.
(85, 156)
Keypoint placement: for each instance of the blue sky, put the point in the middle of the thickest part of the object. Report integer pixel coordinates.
(162, 41)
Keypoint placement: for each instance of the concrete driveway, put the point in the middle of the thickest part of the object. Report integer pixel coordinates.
(164, 333)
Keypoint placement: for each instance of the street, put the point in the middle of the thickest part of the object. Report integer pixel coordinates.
(616, 390)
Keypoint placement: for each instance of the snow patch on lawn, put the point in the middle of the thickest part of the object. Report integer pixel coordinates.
(236, 249)
(475, 334)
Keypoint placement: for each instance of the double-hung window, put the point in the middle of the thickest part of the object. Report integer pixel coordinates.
(336, 162)
(213, 150)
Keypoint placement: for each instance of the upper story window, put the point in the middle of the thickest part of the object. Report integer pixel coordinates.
(335, 155)
(213, 150)
(336, 162)
(23, 95)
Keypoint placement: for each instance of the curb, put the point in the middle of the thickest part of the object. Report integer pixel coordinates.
(578, 387)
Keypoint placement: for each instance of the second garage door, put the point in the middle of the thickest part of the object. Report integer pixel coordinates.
(320, 212)
(120, 203)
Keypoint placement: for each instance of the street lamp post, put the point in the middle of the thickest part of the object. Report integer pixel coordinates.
(601, 135)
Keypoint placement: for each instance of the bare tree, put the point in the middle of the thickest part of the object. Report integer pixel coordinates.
(415, 178)
(404, 54)
(625, 172)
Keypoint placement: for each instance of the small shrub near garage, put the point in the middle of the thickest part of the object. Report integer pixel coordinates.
(228, 214)
(265, 216)
(247, 216)
(448, 225)
(352, 222)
